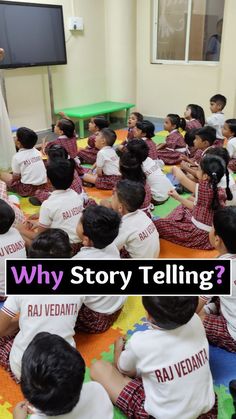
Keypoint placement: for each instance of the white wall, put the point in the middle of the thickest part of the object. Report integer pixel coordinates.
(81, 81)
(167, 88)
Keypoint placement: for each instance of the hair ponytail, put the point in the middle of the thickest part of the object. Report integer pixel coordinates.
(177, 121)
(227, 189)
(215, 168)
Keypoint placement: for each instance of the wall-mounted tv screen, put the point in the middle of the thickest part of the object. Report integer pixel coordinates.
(31, 34)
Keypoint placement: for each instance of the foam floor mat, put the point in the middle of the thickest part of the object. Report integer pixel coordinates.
(92, 347)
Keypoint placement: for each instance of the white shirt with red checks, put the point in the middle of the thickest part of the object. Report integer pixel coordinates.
(51, 313)
(174, 367)
(108, 161)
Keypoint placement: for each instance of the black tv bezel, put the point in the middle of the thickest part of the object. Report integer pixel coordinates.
(41, 64)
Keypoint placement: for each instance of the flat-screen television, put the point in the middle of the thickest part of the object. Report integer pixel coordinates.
(31, 34)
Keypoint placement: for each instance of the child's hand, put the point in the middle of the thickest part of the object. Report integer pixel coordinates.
(63, 115)
(20, 411)
(33, 216)
(184, 165)
(174, 194)
(120, 344)
(183, 157)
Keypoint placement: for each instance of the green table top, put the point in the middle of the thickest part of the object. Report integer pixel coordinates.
(95, 109)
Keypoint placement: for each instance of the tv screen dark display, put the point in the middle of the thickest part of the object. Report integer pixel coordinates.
(31, 34)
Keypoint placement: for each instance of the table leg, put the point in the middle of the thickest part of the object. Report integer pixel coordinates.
(81, 128)
(127, 115)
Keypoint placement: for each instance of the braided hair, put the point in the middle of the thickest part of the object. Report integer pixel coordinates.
(214, 167)
(223, 153)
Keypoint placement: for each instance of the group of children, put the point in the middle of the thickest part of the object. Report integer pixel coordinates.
(37, 345)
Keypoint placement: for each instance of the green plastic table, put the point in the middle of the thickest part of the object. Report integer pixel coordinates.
(100, 108)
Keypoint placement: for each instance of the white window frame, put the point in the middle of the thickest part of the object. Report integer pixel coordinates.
(154, 34)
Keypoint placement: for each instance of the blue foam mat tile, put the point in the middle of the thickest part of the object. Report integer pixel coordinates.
(223, 366)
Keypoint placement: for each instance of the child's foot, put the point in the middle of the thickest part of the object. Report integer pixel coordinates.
(35, 201)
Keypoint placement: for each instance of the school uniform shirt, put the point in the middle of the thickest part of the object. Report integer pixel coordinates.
(63, 210)
(109, 252)
(138, 235)
(231, 147)
(232, 186)
(51, 313)
(216, 120)
(156, 179)
(174, 367)
(29, 164)
(108, 161)
(228, 303)
(105, 304)
(94, 403)
(12, 246)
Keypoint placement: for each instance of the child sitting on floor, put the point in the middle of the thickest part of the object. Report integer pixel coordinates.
(204, 138)
(174, 146)
(13, 201)
(156, 179)
(189, 224)
(137, 236)
(134, 118)
(194, 116)
(229, 132)
(89, 154)
(217, 119)
(145, 130)
(62, 209)
(12, 244)
(65, 129)
(220, 320)
(156, 373)
(36, 314)
(29, 173)
(107, 162)
(52, 383)
(227, 180)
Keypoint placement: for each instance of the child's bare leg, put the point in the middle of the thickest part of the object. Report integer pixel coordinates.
(6, 177)
(111, 379)
(90, 178)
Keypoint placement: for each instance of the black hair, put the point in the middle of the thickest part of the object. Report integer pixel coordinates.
(7, 216)
(219, 99)
(139, 149)
(190, 137)
(138, 115)
(101, 122)
(109, 135)
(177, 121)
(52, 374)
(232, 125)
(197, 113)
(147, 127)
(56, 152)
(101, 225)
(131, 194)
(170, 312)
(224, 154)
(51, 243)
(131, 168)
(27, 137)
(61, 173)
(207, 133)
(224, 222)
(67, 126)
(214, 167)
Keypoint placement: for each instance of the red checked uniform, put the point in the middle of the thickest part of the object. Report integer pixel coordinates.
(175, 378)
(221, 327)
(108, 161)
(175, 146)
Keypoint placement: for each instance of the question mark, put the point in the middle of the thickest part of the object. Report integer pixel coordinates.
(219, 275)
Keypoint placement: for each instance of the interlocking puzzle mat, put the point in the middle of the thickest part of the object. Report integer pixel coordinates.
(132, 319)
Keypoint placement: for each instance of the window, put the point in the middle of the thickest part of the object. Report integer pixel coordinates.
(187, 30)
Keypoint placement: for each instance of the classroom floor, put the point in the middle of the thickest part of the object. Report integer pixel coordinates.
(92, 347)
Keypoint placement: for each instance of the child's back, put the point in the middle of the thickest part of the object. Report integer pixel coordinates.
(217, 118)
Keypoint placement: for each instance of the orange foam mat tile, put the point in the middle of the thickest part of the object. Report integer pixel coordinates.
(97, 194)
(92, 346)
(9, 390)
(170, 250)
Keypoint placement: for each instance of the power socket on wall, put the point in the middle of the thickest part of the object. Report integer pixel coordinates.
(75, 23)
